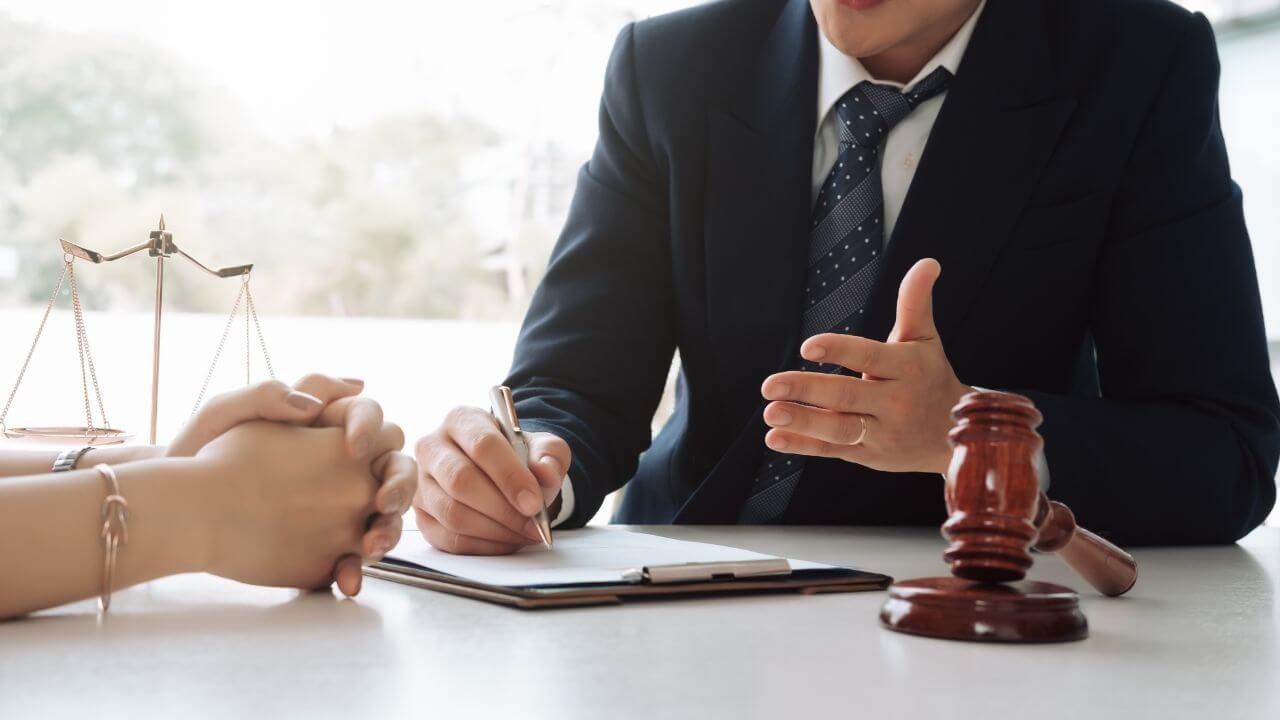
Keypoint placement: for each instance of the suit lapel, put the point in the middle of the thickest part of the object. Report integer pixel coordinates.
(998, 125)
(756, 233)
(757, 209)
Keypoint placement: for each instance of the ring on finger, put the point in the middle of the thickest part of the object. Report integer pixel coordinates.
(862, 435)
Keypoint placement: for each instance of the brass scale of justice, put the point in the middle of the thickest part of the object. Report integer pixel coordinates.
(160, 246)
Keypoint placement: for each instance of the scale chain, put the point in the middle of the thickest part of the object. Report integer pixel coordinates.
(250, 317)
(248, 346)
(218, 352)
(86, 355)
(262, 343)
(84, 377)
(66, 265)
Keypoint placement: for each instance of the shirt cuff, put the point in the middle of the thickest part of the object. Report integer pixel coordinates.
(566, 503)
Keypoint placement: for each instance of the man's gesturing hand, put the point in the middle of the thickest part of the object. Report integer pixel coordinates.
(903, 399)
(474, 497)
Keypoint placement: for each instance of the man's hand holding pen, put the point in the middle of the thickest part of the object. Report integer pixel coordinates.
(475, 496)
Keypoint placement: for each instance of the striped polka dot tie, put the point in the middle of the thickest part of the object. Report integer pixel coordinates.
(846, 240)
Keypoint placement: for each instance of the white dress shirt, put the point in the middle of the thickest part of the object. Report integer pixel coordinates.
(837, 73)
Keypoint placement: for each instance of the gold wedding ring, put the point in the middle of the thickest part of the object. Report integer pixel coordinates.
(862, 435)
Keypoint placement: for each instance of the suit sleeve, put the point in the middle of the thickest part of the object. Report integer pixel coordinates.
(1182, 445)
(597, 342)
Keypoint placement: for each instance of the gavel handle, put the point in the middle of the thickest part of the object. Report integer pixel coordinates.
(1110, 570)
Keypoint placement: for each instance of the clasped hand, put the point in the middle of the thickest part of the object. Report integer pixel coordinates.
(896, 416)
(307, 497)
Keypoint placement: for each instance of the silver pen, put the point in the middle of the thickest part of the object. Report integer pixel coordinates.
(503, 408)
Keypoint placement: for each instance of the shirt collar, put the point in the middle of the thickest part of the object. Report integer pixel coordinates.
(838, 72)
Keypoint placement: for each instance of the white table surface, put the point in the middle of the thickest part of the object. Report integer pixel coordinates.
(1196, 638)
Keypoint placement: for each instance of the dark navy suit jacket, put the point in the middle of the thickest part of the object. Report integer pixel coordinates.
(1075, 189)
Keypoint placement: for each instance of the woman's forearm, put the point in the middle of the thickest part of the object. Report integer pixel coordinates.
(15, 463)
(51, 548)
(18, 463)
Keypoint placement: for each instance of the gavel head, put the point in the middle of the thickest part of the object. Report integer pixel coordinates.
(992, 487)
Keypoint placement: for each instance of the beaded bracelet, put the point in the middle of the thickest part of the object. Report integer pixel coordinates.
(115, 532)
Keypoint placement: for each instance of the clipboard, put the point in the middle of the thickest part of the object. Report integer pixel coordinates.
(758, 575)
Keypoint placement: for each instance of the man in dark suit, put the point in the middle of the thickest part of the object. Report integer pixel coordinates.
(772, 175)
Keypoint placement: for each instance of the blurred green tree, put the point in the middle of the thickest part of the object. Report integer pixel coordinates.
(98, 136)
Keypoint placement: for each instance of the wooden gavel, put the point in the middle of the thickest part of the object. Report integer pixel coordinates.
(996, 514)
(997, 511)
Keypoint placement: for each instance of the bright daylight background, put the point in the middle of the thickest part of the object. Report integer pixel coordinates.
(397, 172)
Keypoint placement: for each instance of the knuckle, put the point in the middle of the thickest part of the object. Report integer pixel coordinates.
(423, 447)
(367, 405)
(225, 401)
(422, 490)
(450, 474)
(270, 388)
(311, 380)
(467, 483)
(487, 444)
(458, 415)
(445, 460)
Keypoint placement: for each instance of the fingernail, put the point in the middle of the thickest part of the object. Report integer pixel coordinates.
(553, 464)
(303, 401)
(777, 443)
(531, 531)
(528, 503)
(779, 390)
(359, 584)
(353, 381)
(385, 546)
(815, 352)
(779, 418)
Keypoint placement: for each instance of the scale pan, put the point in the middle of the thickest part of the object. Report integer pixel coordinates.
(68, 435)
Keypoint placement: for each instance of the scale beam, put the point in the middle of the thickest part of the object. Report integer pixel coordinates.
(160, 246)
(226, 272)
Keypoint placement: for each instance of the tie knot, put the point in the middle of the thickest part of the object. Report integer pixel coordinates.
(870, 110)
